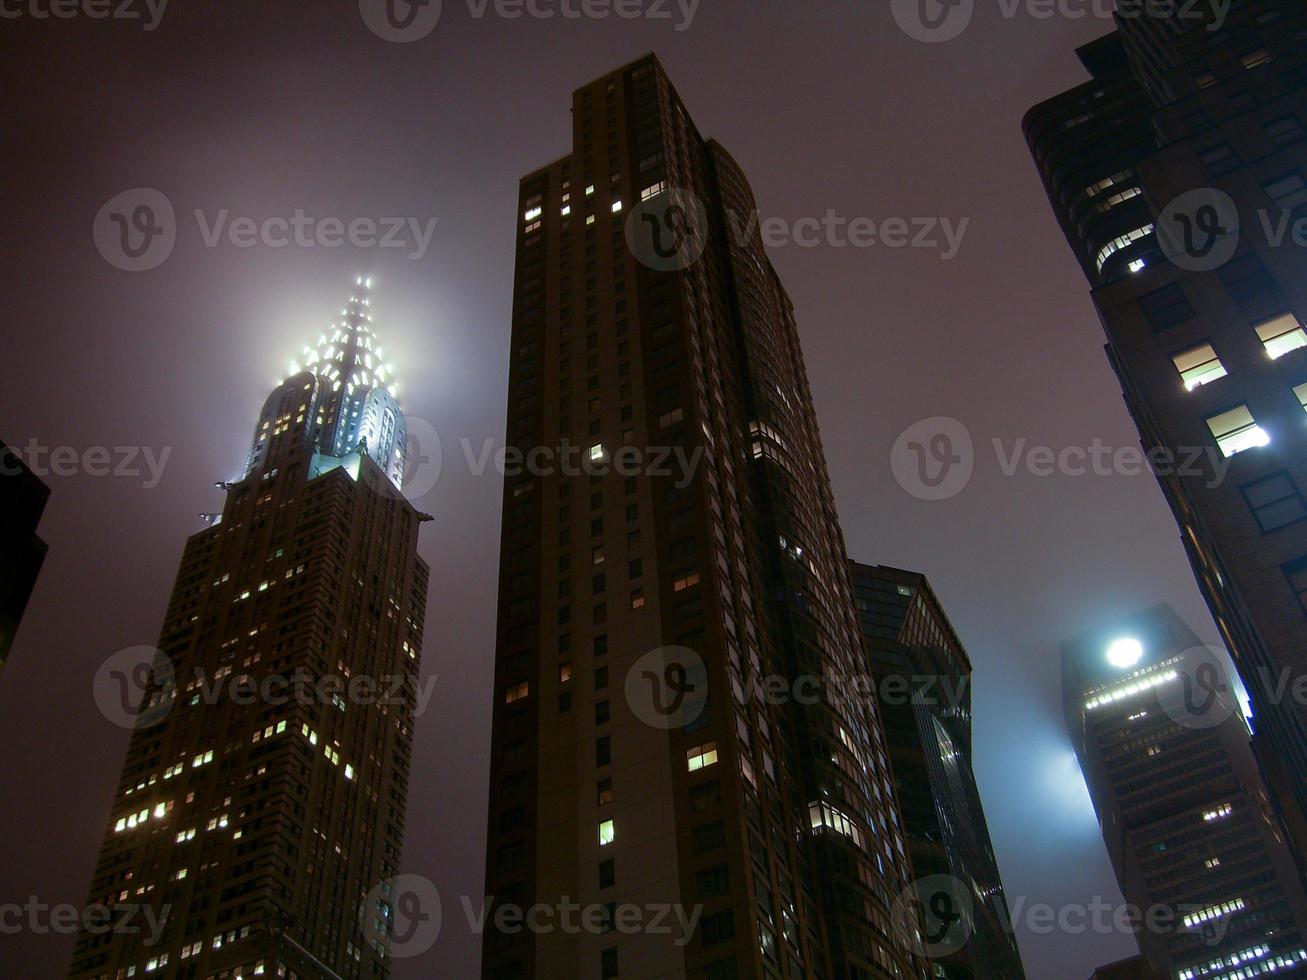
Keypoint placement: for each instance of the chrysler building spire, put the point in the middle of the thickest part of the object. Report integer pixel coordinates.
(342, 402)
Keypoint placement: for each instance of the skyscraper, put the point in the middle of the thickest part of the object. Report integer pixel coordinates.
(924, 678)
(1135, 968)
(1174, 172)
(264, 789)
(1183, 810)
(672, 570)
(22, 553)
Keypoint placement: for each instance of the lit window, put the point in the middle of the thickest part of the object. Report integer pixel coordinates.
(564, 673)
(517, 692)
(1138, 265)
(1301, 392)
(617, 206)
(606, 833)
(637, 599)
(1199, 366)
(653, 190)
(1220, 813)
(701, 756)
(1281, 335)
(597, 453)
(567, 209)
(533, 213)
(1237, 430)
(681, 584)
(589, 191)
(589, 219)
(1124, 241)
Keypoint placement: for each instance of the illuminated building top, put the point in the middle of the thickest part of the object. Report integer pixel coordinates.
(343, 401)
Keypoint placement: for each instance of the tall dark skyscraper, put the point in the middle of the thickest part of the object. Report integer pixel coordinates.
(263, 795)
(22, 552)
(1173, 173)
(1135, 968)
(1184, 812)
(924, 676)
(670, 548)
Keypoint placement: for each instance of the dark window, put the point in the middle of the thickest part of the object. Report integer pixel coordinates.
(705, 796)
(1284, 130)
(603, 751)
(608, 964)
(1220, 159)
(601, 713)
(1296, 572)
(1166, 307)
(1247, 280)
(1275, 501)
(718, 927)
(607, 873)
(713, 881)
(710, 837)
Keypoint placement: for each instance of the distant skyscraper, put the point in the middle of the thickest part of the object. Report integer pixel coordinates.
(256, 824)
(1185, 816)
(913, 646)
(1172, 173)
(22, 500)
(645, 597)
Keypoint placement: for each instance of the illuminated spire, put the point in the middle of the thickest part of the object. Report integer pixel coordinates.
(352, 404)
(351, 355)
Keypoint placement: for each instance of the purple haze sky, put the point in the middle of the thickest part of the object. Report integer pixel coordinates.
(264, 108)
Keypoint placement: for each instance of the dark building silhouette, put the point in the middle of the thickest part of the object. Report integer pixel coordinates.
(22, 552)
(1135, 968)
(260, 810)
(1185, 815)
(1192, 134)
(645, 599)
(924, 677)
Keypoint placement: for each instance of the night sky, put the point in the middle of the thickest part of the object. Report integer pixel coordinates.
(265, 108)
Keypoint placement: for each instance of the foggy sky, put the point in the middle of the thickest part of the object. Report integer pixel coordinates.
(264, 108)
